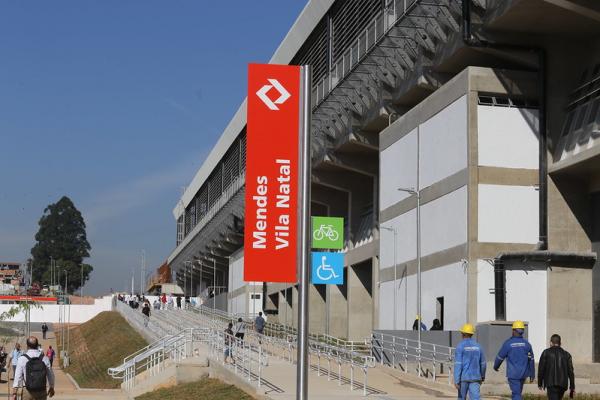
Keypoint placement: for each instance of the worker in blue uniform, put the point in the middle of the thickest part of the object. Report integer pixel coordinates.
(520, 363)
(469, 365)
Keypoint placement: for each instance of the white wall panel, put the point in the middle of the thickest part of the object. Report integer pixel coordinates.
(508, 214)
(443, 143)
(526, 300)
(449, 282)
(406, 228)
(486, 306)
(386, 305)
(398, 169)
(508, 137)
(444, 222)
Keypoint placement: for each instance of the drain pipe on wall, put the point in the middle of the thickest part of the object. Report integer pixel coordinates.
(471, 41)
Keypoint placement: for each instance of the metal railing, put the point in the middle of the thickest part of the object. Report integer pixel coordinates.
(406, 354)
(360, 48)
(153, 359)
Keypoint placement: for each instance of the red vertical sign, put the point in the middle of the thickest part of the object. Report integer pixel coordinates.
(272, 146)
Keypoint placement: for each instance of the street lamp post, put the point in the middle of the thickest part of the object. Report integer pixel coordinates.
(416, 193)
(395, 232)
(214, 283)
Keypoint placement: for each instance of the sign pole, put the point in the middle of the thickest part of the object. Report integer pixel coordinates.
(304, 232)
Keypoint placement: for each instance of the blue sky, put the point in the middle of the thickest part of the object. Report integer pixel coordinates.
(116, 103)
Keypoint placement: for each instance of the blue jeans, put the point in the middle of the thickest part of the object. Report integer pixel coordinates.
(516, 388)
(470, 388)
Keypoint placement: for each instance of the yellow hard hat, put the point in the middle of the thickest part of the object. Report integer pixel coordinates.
(468, 329)
(518, 325)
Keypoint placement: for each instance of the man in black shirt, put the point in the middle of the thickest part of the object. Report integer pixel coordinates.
(555, 371)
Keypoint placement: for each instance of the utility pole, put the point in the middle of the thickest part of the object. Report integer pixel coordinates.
(81, 287)
(395, 232)
(143, 273)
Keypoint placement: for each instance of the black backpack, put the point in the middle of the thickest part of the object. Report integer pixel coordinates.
(35, 373)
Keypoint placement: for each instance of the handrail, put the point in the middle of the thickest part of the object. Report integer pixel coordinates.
(398, 352)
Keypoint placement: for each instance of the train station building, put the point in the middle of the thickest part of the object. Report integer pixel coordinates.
(460, 137)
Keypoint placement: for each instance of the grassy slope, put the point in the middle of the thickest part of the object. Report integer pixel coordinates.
(205, 389)
(98, 344)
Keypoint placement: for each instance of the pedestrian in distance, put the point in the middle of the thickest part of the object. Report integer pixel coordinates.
(555, 371)
(16, 353)
(3, 359)
(240, 329)
(156, 304)
(50, 353)
(163, 300)
(170, 302)
(35, 373)
(44, 330)
(179, 302)
(228, 343)
(436, 326)
(259, 323)
(469, 365)
(416, 324)
(146, 312)
(520, 363)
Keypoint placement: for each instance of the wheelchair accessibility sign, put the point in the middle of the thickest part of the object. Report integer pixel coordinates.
(327, 268)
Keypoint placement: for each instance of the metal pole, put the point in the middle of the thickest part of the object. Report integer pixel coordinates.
(395, 232)
(303, 228)
(214, 284)
(81, 287)
(143, 273)
(418, 193)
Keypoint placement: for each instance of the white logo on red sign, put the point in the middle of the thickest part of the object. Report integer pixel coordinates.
(283, 94)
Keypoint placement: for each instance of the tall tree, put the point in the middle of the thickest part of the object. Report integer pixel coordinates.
(62, 237)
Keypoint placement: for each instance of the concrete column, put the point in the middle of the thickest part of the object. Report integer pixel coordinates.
(285, 307)
(338, 309)
(360, 302)
(375, 291)
(316, 299)
(294, 317)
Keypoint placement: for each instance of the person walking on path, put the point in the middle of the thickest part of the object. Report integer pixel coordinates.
(50, 353)
(16, 353)
(179, 302)
(35, 373)
(163, 300)
(259, 323)
(417, 323)
(520, 363)
(227, 353)
(44, 330)
(555, 371)
(146, 312)
(469, 365)
(436, 325)
(240, 329)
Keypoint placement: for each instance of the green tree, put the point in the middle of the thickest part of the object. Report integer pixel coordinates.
(62, 237)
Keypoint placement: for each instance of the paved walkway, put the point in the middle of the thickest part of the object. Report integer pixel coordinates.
(64, 387)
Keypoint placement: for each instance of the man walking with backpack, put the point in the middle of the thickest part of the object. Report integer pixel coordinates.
(35, 373)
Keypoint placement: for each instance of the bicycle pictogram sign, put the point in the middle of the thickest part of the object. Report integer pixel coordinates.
(327, 233)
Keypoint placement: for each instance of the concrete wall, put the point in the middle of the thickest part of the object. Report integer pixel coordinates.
(50, 312)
